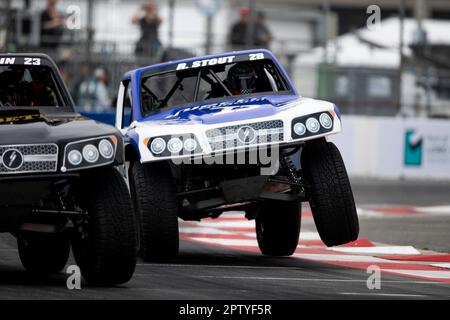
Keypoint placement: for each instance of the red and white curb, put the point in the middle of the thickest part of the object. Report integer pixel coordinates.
(232, 230)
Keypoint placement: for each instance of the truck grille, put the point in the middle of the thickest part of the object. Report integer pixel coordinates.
(35, 158)
(245, 134)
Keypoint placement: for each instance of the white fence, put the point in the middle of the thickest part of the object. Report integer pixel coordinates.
(395, 148)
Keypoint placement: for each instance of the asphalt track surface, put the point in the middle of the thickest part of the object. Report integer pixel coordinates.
(220, 263)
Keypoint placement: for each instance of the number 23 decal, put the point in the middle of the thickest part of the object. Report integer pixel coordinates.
(32, 61)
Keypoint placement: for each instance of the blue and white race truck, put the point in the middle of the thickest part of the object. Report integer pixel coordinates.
(229, 132)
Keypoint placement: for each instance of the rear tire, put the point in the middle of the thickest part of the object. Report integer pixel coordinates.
(43, 253)
(331, 202)
(154, 195)
(107, 255)
(278, 227)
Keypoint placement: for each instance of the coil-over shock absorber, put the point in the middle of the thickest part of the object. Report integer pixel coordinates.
(292, 174)
(188, 179)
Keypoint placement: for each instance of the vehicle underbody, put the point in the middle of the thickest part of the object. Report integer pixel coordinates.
(41, 203)
(208, 190)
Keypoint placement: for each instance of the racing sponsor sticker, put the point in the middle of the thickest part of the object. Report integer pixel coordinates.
(28, 61)
(237, 104)
(7, 61)
(20, 119)
(220, 60)
(206, 62)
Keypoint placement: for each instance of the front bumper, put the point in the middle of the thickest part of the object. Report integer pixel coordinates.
(23, 190)
(227, 138)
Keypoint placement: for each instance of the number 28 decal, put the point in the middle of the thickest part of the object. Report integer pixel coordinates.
(32, 61)
(256, 56)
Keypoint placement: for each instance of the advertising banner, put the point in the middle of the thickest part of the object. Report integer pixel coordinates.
(395, 147)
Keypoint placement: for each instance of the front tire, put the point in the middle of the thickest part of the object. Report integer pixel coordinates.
(43, 253)
(106, 254)
(154, 195)
(332, 202)
(278, 227)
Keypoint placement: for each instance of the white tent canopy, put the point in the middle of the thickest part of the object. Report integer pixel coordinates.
(350, 50)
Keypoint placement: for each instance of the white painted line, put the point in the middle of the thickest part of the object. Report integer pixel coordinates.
(234, 214)
(213, 266)
(228, 242)
(338, 257)
(200, 230)
(422, 273)
(280, 279)
(217, 266)
(304, 235)
(248, 234)
(367, 213)
(399, 250)
(228, 224)
(442, 265)
(307, 235)
(435, 210)
(382, 294)
(316, 280)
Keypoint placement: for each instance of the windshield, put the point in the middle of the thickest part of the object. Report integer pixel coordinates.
(28, 87)
(175, 88)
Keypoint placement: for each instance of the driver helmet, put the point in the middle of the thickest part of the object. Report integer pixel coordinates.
(242, 79)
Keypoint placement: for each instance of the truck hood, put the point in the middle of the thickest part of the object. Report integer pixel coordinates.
(59, 130)
(227, 110)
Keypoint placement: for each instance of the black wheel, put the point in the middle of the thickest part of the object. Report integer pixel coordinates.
(106, 253)
(331, 202)
(154, 195)
(43, 253)
(278, 227)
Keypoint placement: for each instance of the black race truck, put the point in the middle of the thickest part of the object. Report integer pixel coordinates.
(59, 186)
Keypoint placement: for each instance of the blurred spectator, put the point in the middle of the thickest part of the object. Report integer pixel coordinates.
(52, 25)
(83, 77)
(64, 71)
(149, 22)
(93, 92)
(261, 36)
(239, 30)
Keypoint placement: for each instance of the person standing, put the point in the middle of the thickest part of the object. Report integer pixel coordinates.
(263, 36)
(149, 22)
(52, 25)
(237, 37)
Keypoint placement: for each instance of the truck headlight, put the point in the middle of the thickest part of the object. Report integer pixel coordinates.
(170, 145)
(299, 129)
(325, 121)
(190, 145)
(75, 158)
(106, 149)
(89, 153)
(175, 145)
(158, 146)
(312, 125)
